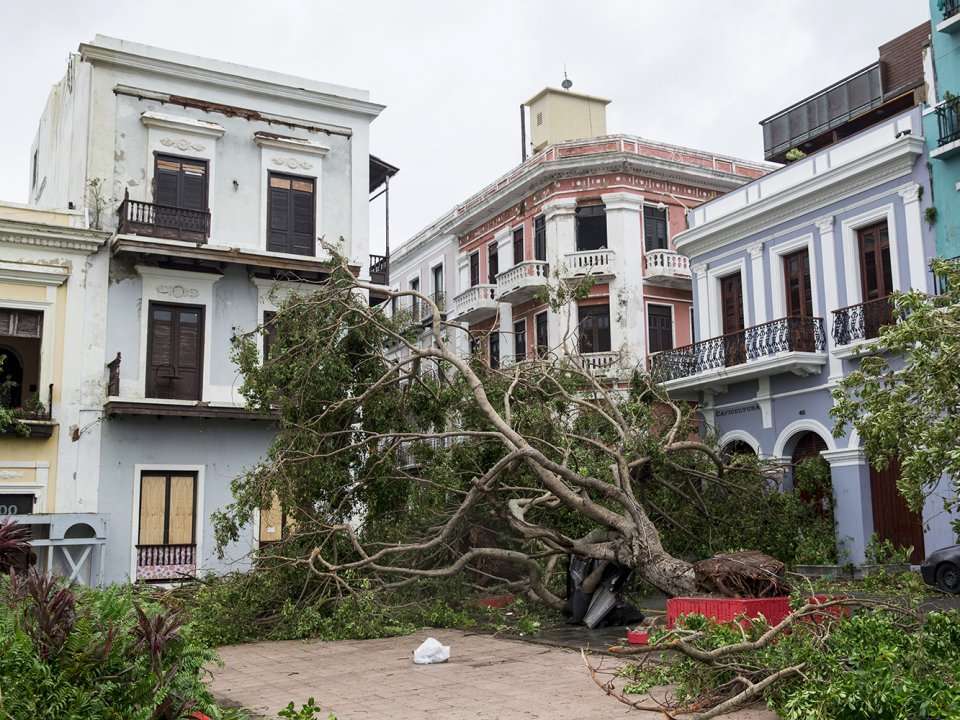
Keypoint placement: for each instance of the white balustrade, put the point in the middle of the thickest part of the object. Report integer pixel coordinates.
(476, 298)
(522, 280)
(590, 262)
(667, 262)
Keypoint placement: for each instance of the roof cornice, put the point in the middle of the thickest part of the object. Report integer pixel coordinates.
(108, 56)
(887, 163)
(82, 240)
(550, 170)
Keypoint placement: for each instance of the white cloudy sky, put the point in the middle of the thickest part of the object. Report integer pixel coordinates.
(452, 73)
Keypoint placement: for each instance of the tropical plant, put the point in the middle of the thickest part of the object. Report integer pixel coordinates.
(904, 399)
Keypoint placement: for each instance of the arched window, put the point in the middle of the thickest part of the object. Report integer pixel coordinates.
(808, 445)
(736, 447)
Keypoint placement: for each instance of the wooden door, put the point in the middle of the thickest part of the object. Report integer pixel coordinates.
(892, 519)
(876, 277)
(168, 509)
(175, 351)
(180, 183)
(796, 274)
(180, 525)
(731, 307)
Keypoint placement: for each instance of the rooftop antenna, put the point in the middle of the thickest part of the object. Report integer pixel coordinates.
(567, 82)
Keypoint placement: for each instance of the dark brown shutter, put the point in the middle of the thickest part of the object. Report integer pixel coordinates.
(493, 263)
(167, 181)
(539, 238)
(875, 264)
(540, 334)
(304, 209)
(655, 228)
(180, 183)
(520, 340)
(292, 215)
(474, 269)
(796, 271)
(660, 327)
(518, 254)
(594, 328)
(175, 352)
(731, 303)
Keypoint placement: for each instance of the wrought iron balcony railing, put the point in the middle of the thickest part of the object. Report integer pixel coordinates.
(862, 321)
(948, 121)
(949, 8)
(789, 334)
(380, 269)
(163, 221)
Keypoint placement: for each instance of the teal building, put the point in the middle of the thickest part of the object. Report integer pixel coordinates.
(941, 125)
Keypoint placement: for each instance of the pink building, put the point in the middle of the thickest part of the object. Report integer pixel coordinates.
(585, 204)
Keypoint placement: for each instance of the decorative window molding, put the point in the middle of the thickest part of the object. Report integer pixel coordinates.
(778, 291)
(712, 308)
(851, 250)
(179, 123)
(290, 144)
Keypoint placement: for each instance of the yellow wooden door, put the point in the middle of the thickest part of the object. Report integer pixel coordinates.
(180, 529)
(153, 509)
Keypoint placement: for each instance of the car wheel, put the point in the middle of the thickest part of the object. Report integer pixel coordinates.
(948, 577)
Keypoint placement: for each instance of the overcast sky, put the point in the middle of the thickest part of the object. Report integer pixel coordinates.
(452, 74)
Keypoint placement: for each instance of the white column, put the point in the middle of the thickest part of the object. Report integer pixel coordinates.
(506, 333)
(853, 510)
(759, 284)
(831, 288)
(624, 213)
(560, 223)
(701, 319)
(916, 255)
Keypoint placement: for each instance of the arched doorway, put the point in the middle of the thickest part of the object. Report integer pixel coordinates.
(807, 445)
(736, 447)
(11, 378)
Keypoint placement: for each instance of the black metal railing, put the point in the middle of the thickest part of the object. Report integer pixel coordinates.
(164, 221)
(113, 380)
(862, 321)
(949, 8)
(948, 121)
(790, 334)
(380, 269)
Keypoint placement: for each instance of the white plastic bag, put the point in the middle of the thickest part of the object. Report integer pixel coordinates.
(431, 651)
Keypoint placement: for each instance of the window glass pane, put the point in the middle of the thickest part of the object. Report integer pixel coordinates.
(591, 228)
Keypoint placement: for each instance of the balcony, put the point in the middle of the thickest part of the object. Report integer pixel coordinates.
(380, 269)
(475, 304)
(951, 16)
(34, 419)
(426, 310)
(589, 263)
(522, 281)
(948, 129)
(666, 267)
(163, 221)
(166, 562)
(602, 365)
(789, 345)
(857, 323)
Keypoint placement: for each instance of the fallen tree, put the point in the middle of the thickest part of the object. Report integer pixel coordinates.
(399, 459)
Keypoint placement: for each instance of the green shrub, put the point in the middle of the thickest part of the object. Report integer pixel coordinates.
(83, 653)
(874, 665)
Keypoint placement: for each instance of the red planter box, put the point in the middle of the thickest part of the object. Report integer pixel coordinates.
(496, 601)
(723, 610)
(638, 637)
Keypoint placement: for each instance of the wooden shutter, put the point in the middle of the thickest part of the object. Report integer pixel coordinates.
(539, 238)
(591, 227)
(594, 328)
(291, 214)
(474, 269)
(796, 272)
(181, 512)
(493, 263)
(731, 303)
(175, 351)
(180, 182)
(540, 334)
(21, 323)
(520, 340)
(495, 349)
(166, 179)
(153, 509)
(660, 328)
(655, 228)
(876, 272)
(518, 252)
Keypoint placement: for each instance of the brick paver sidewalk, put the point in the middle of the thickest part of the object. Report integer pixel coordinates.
(486, 678)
